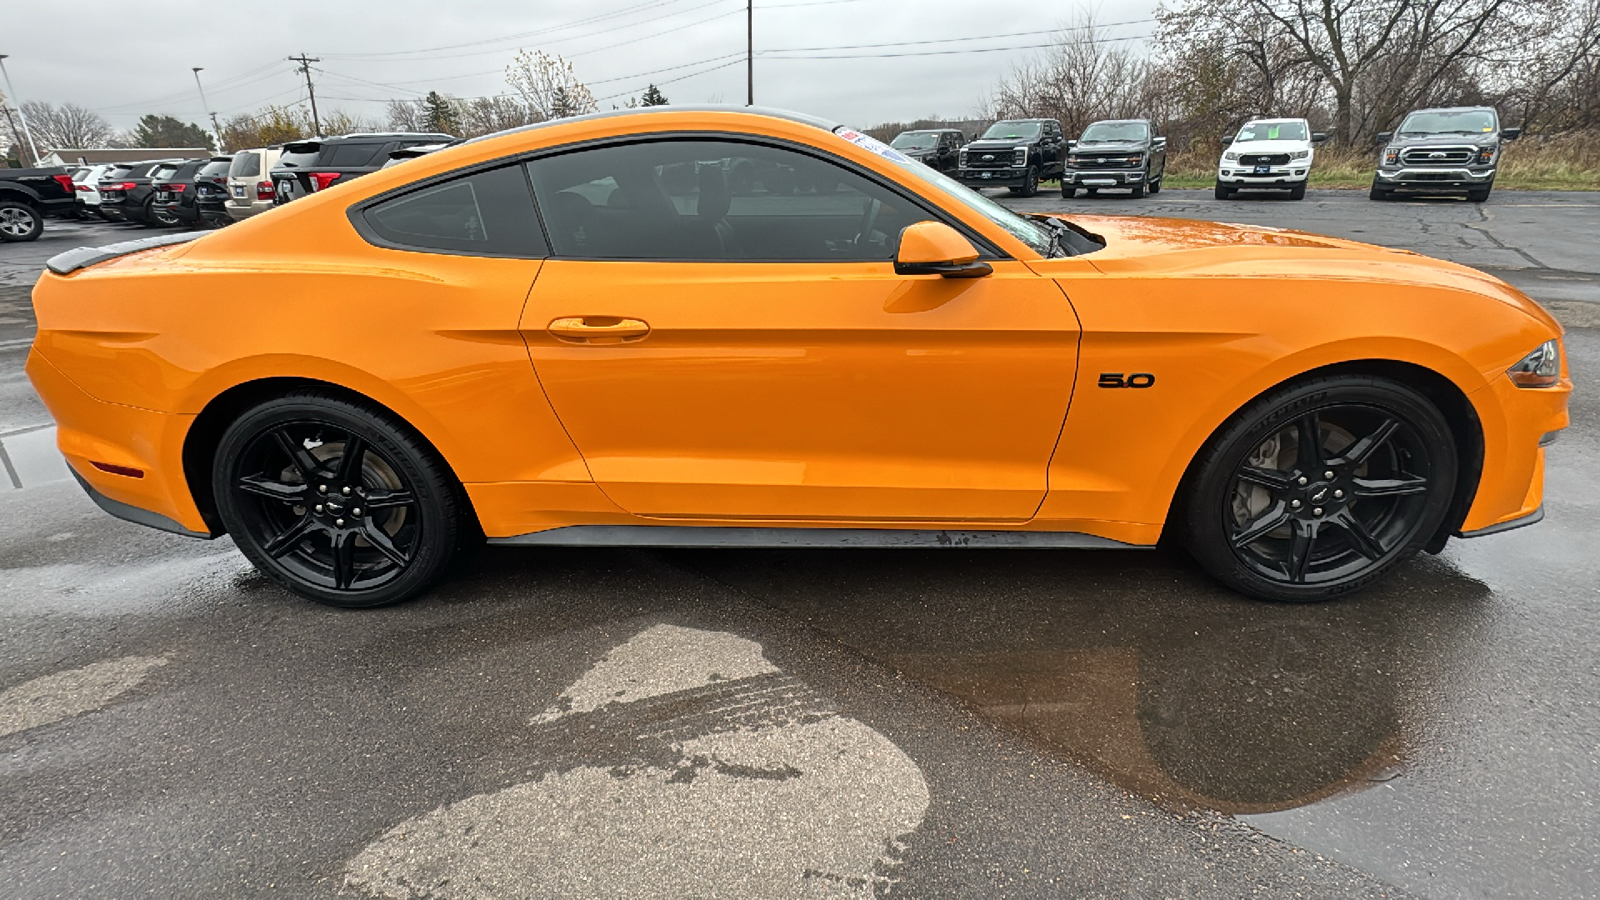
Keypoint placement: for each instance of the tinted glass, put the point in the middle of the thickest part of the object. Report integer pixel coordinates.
(303, 157)
(350, 155)
(721, 200)
(914, 140)
(162, 173)
(116, 172)
(1115, 131)
(1012, 130)
(215, 167)
(1465, 121)
(245, 165)
(483, 214)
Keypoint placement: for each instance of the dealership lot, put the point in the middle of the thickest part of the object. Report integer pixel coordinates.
(951, 723)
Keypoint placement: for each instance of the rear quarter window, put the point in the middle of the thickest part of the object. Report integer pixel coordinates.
(483, 214)
(300, 159)
(162, 173)
(347, 156)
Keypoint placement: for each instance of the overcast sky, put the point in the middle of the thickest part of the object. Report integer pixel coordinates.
(124, 60)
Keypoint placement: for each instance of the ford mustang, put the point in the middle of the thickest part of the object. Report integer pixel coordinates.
(722, 327)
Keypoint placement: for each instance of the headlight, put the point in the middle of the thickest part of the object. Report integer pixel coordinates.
(1539, 369)
(1391, 156)
(1073, 160)
(1231, 156)
(1135, 158)
(1485, 155)
(1300, 154)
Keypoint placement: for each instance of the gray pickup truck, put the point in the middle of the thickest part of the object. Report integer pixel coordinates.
(1442, 151)
(1116, 153)
(27, 196)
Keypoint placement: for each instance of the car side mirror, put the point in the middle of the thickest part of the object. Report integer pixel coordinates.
(1159, 143)
(1071, 142)
(934, 248)
(1318, 137)
(1510, 134)
(1382, 137)
(1227, 139)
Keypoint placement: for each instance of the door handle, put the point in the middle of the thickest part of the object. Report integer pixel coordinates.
(598, 329)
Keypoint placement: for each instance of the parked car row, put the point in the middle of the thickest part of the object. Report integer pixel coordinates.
(1434, 151)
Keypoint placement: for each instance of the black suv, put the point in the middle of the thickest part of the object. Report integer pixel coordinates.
(1015, 154)
(180, 197)
(1116, 153)
(128, 194)
(311, 165)
(938, 147)
(1439, 151)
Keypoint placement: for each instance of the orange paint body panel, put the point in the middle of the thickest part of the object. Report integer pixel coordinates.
(568, 391)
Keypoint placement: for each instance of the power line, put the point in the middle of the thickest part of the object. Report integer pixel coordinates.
(651, 4)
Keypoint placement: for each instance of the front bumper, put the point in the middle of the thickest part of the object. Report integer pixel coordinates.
(1435, 179)
(1253, 176)
(1103, 177)
(1517, 425)
(981, 177)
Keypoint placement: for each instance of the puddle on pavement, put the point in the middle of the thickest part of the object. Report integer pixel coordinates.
(1144, 671)
(28, 457)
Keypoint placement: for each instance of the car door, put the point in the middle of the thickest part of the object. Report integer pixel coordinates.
(722, 333)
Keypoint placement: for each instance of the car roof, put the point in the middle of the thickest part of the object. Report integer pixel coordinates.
(767, 112)
(1435, 109)
(1119, 121)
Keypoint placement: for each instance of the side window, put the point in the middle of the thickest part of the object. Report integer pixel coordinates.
(483, 214)
(246, 165)
(351, 155)
(715, 200)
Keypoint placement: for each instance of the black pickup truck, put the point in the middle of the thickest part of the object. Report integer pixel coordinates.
(27, 196)
(1116, 153)
(1015, 154)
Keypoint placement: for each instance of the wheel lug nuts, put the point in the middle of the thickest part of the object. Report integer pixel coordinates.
(356, 511)
(322, 489)
(318, 507)
(1302, 479)
(1327, 475)
(1317, 511)
(339, 522)
(1294, 504)
(1338, 495)
(345, 491)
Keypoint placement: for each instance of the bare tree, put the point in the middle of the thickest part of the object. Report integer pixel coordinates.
(271, 126)
(487, 115)
(548, 86)
(405, 115)
(66, 126)
(1086, 75)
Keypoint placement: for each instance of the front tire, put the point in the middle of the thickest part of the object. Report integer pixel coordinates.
(1379, 193)
(1481, 194)
(1320, 488)
(1223, 192)
(1068, 191)
(19, 222)
(1298, 192)
(1138, 191)
(1155, 186)
(336, 501)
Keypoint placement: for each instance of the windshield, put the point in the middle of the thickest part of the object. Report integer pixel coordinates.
(914, 140)
(1035, 235)
(1101, 132)
(1464, 121)
(1272, 131)
(1012, 130)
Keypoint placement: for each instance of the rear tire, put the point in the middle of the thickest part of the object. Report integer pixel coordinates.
(19, 222)
(357, 529)
(1320, 488)
(158, 218)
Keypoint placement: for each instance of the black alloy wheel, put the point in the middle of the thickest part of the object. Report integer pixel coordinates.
(337, 502)
(1320, 488)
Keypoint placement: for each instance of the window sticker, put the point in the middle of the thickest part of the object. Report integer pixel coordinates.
(868, 142)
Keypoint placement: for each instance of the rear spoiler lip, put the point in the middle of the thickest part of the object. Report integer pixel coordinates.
(82, 257)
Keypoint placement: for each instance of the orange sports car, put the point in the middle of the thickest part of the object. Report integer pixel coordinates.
(722, 327)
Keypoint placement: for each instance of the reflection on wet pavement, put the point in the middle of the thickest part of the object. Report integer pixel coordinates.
(28, 456)
(1186, 695)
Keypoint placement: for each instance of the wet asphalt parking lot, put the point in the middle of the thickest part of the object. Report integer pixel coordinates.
(678, 724)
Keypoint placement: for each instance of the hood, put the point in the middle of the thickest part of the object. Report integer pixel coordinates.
(1451, 140)
(1110, 147)
(1186, 247)
(1269, 147)
(1007, 144)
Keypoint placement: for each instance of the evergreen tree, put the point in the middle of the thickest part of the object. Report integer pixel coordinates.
(653, 97)
(439, 114)
(562, 103)
(165, 131)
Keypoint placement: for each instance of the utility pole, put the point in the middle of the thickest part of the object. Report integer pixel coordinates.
(311, 92)
(12, 93)
(216, 130)
(750, 51)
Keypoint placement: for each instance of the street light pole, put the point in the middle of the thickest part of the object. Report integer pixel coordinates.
(216, 130)
(12, 93)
